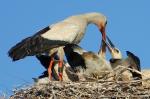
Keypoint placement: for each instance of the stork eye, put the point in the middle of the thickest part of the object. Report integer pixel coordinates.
(105, 23)
(112, 60)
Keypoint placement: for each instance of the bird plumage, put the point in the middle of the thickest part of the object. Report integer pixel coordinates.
(85, 62)
(33, 45)
(73, 55)
(136, 60)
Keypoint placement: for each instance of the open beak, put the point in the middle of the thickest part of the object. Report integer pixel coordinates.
(110, 42)
(110, 45)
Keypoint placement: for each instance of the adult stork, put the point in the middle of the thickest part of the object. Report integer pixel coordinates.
(132, 61)
(54, 37)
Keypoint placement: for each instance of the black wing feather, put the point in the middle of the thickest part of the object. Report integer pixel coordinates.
(44, 60)
(135, 59)
(34, 45)
(74, 59)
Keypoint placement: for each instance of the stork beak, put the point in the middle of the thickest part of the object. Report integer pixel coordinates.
(102, 50)
(103, 31)
(110, 42)
(110, 45)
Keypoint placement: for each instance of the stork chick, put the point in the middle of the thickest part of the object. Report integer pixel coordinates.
(132, 61)
(86, 62)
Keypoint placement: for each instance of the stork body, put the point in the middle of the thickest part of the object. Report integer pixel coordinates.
(70, 30)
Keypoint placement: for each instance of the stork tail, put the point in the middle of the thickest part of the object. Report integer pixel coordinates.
(21, 49)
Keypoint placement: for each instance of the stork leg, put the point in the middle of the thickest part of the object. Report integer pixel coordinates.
(60, 70)
(50, 68)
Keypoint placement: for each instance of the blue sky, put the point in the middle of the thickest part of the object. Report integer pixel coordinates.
(128, 27)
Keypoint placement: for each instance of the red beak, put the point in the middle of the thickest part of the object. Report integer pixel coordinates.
(102, 50)
(102, 30)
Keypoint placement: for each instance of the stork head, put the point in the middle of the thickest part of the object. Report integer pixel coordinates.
(115, 52)
(99, 20)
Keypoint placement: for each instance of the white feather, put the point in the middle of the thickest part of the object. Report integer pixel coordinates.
(62, 31)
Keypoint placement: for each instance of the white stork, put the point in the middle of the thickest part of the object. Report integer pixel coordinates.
(49, 39)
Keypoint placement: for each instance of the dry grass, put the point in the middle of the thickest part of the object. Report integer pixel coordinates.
(96, 89)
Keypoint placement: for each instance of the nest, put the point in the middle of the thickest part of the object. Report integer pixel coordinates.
(93, 89)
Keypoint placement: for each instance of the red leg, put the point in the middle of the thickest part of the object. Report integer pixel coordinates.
(60, 70)
(50, 68)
